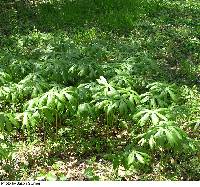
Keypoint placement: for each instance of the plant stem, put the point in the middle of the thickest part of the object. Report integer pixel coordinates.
(56, 126)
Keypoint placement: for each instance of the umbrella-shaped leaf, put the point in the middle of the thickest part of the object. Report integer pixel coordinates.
(83, 108)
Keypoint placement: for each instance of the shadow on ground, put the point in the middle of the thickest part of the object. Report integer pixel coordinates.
(166, 31)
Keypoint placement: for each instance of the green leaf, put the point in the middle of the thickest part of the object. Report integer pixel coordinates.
(170, 138)
(33, 121)
(8, 125)
(25, 119)
(102, 80)
(36, 114)
(115, 104)
(60, 106)
(131, 158)
(140, 158)
(110, 109)
(62, 98)
(2, 120)
(51, 176)
(172, 95)
(32, 103)
(51, 101)
(154, 119)
(48, 114)
(153, 102)
(63, 177)
(89, 172)
(71, 98)
(176, 133)
(140, 113)
(162, 116)
(84, 109)
(144, 119)
(14, 97)
(159, 133)
(145, 99)
(13, 120)
(161, 103)
(152, 142)
(123, 107)
(34, 93)
(101, 104)
(42, 101)
(112, 92)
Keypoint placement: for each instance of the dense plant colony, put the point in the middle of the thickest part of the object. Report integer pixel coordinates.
(127, 100)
